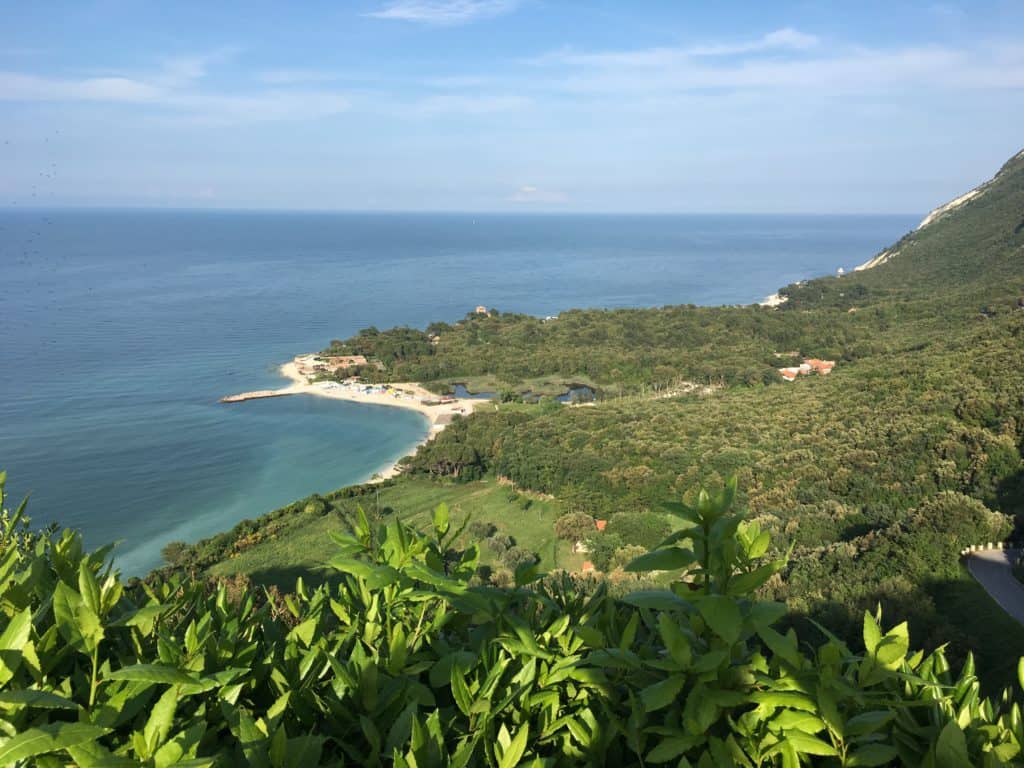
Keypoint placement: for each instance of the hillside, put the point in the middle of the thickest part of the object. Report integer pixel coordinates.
(875, 476)
(410, 623)
(964, 260)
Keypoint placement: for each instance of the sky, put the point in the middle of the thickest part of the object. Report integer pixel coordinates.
(508, 105)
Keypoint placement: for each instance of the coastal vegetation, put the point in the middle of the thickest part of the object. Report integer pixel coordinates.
(873, 477)
(399, 660)
(410, 621)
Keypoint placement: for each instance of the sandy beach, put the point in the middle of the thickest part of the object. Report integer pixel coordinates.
(408, 395)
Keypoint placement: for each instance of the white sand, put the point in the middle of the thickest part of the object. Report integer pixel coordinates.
(407, 395)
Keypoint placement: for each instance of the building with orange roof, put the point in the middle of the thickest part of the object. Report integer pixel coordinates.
(808, 366)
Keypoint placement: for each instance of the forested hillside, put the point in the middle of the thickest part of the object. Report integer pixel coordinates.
(734, 628)
(942, 278)
(875, 475)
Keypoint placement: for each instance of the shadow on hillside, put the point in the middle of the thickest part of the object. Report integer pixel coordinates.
(1010, 499)
(957, 613)
(284, 578)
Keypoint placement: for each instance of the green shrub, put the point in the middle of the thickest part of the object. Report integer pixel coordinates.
(400, 662)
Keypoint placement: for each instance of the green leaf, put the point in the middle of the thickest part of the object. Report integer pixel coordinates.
(401, 729)
(441, 522)
(746, 583)
(33, 698)
(809, 745)
(656, 600)
(304, 751)
(663, 693)
(784, 699)
(782, 646)
(48, 738)
(76, 622)
(669, 749)
(153, 673)
(872, 634)
(526, 573)
(891, 652)
(514, 751)
(951, 748)
(868, 722)
(161, 718)
(668, 559)
(12, 641)
(676, 641)
(89, 588)
(92, 754)
(460, 692)
(723, 616)
(871, 755)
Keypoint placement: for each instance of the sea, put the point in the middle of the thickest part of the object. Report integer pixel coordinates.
(121, 329)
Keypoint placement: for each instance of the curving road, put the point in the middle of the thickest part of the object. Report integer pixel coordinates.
(992, 570)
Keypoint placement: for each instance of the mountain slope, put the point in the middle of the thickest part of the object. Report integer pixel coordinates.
(973, 243)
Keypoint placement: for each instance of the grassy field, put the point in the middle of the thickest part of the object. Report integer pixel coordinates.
(302, 545)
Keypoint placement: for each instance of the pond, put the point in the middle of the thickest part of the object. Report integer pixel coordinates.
(461, 391)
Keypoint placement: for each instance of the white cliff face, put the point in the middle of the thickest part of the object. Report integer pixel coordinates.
(937, 214)
(881, 258)
(952, 205)
(931, 218)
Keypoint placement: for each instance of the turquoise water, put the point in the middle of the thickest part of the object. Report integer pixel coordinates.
(120, 330)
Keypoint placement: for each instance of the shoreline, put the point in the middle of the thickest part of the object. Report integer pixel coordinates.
(407, 395)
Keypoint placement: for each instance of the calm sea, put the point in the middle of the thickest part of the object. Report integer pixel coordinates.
(119, 331)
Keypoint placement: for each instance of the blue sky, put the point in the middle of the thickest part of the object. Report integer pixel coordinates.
(508, 105)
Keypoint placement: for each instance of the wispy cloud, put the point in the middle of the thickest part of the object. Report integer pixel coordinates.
(528, 193)
(798, 62)
(444, 12)
(176, 88)
(293, 76)
(781, 39)
(468, 104)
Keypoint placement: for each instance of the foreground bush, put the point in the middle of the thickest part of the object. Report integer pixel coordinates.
(404, 663)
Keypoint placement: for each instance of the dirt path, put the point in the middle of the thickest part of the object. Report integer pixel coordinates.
(992, 569)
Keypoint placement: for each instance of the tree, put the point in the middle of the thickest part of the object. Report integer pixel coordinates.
(623, 556)
(574, 526)
(602, 549)
(481, 529)
(517, 556)
(644, 529)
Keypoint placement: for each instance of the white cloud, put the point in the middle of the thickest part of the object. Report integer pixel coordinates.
(15, 86)
(528, 193)
(176, 89)
(779, 40)
(444, 12)
(468, 104)
(797, 64)
(293, 76)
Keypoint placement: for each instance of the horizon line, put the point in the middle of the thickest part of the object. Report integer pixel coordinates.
(433, 212)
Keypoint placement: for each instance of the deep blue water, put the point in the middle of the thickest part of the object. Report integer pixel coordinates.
(119, 331)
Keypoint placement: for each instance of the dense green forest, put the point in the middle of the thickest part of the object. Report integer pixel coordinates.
(874, 476)
(946, 277)
(430, 639)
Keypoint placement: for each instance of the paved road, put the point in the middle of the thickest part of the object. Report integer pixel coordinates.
(992, 570)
